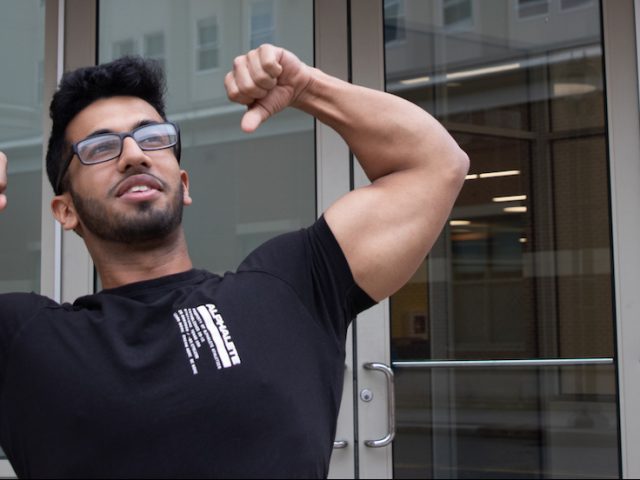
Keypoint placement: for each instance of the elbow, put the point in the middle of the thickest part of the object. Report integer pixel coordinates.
(458, 166)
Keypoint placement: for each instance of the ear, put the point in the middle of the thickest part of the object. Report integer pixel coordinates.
(184, 177)
(64, 211)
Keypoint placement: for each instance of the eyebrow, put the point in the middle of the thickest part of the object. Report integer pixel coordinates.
(139, 124)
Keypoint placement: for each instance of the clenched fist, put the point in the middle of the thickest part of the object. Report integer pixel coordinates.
(3, 181)
(267, 80)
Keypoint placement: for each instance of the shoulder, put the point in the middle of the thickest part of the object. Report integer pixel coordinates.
(16, 308)
(16, 311)
(17, 302)
(292, 248)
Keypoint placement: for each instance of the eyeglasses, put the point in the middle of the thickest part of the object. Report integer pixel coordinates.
(103, 147)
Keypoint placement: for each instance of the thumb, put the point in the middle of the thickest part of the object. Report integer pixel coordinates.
(3, 201)
(253, 118)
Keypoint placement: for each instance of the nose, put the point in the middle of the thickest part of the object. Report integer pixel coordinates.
(132, 155)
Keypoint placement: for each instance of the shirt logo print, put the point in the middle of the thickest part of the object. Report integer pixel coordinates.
(202, 326)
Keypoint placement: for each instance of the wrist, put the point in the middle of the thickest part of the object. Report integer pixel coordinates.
(320, 89)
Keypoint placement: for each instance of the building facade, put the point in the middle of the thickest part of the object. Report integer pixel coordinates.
(511, 352)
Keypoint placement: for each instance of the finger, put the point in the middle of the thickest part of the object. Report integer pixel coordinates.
(260, 76)
(243, 79)
(3, 180)
(3, 172)
(233, 92)
(270, 59)
(253, 117)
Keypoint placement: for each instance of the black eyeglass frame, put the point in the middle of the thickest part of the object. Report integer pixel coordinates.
(74, 148)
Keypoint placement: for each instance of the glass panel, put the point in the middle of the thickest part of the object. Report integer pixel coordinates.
(551, 422)
(245, 190)
(21, 23)
(262, 27)
(523, 270)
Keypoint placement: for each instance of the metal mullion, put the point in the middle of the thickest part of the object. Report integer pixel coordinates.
(373, 330)
(622, 95)
(51, 232)
(80, 31)
(332, 182)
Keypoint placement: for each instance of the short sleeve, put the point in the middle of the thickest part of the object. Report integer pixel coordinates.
(16, 310)
(313, 264)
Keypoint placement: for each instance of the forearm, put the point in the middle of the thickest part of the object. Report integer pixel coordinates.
(386, 133)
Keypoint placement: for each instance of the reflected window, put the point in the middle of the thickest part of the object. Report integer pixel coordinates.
(532, 8)
(207, 48)
(262, 23)
(570, 4)
(394, 25)
(457, 13)
(124, 47)
(154, 47)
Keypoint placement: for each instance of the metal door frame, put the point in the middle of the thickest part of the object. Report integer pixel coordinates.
(621, 70)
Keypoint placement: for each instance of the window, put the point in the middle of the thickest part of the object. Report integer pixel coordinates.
(207, 48)
(532, 8)
(262, 23)
(125, 47)
(571, 4)
(154, 47)
(457, 13)
(394, 21)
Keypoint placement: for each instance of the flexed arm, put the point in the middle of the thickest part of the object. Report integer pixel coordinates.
(3, 181)
(415, 166)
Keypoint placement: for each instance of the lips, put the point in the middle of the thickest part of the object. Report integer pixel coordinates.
(138, 183)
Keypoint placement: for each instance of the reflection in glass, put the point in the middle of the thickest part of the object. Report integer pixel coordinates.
(551, 422)
(523, 269)
(21, 23)
(246, 188)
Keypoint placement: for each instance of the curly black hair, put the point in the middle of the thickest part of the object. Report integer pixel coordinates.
(129, 76)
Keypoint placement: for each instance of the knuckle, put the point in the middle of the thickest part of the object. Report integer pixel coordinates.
(238, 61)
(271, 64)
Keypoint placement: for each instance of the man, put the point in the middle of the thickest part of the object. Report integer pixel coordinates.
(172, 371)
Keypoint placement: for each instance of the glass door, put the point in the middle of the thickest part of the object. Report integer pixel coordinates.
(503, 342)
(21, 112)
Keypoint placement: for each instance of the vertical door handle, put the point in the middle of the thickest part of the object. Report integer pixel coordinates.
(391, 406)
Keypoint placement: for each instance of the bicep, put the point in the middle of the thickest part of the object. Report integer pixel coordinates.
(387, 228)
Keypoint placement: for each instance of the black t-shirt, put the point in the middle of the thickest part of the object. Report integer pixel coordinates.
(189, 375)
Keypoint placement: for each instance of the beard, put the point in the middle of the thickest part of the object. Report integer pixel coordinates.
(147, 224)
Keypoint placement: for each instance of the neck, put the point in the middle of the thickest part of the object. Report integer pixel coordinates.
(120, 264)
